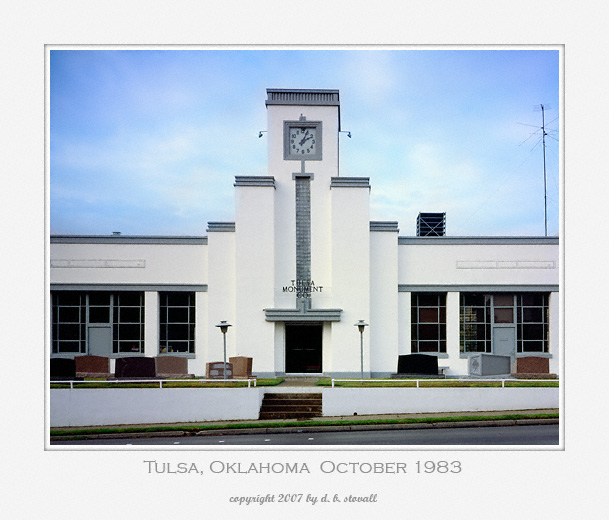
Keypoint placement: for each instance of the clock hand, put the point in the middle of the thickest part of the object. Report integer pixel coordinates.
(305, 139)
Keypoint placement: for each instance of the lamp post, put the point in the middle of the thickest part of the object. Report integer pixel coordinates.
(360, 325)
(224, 327)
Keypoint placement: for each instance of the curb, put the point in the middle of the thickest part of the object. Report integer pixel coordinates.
(311, 429)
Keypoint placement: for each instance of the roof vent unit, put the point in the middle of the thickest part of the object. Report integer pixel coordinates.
(431, 224)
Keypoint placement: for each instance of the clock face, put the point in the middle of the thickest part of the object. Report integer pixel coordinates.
(303, 141)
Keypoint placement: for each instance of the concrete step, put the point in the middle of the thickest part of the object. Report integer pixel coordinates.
(285, 415)
(290, 406)
(292, 395)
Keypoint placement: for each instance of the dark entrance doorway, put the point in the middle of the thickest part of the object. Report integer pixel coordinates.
(303, 348)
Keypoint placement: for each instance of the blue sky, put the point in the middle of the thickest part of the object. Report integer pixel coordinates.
(143, 141)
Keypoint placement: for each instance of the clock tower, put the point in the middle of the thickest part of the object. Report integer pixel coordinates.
(303, 238)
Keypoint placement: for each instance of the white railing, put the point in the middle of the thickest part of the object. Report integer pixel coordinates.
(71, 382)
(444, 380)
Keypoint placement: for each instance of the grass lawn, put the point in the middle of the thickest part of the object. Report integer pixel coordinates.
(187, 383)
(445, 383)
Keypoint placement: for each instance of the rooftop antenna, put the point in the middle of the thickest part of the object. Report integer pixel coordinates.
(545, 196)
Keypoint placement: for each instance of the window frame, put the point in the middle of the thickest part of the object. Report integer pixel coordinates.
(166, 326)
(416, 324)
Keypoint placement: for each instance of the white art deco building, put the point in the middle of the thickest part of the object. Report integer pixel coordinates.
(299, 266)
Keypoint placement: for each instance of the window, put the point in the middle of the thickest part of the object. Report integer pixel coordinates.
(428, 323)
(532, 318)
(68, 323)
(177, 322)
(475, 318)
(480, 312)
(128, 323)
(74, 312)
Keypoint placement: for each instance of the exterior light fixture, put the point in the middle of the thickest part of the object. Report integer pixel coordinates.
(361, 324)
(224, 327)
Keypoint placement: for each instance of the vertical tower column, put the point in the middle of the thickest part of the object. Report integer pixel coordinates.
(303, 238)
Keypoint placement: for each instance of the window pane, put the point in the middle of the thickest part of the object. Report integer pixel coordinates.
(129, 332)
(504, 300)
(532, 332)
(177, 332)
(99, 298)
(533, 346)
(132, 299)
(129, 315)
(99, 314)
(68, 314)
(533, 299)
(178, 299)
(67, 298)
(177, 315)
(428, 315)
(68, 331)
(503, 315)
(532, 315)
(68, 347)
(178, 346)
(128, 346)
(476, 315)
(474, 299)
(428, 346)
(428, 300)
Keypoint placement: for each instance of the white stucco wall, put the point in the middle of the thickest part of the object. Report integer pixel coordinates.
(437, 261)
(147, 263)
(108, 406)
(384, 317)
(350, 229)
(255, 273)
(221, 294)
(369, 401)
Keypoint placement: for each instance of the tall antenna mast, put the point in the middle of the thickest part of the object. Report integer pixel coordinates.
(545, 197)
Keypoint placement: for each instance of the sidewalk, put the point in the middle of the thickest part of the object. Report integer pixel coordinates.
(342, 423)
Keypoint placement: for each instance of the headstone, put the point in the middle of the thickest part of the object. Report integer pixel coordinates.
(533, 365)
(242, 366)
(489, 365)
(92, 366)
(62, 368)
(140, 367)
(171, 366)
(418, 364)
(215, 370)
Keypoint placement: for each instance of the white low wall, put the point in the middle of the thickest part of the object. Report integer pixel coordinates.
(111, 406)
(370, 401)
(114, 406)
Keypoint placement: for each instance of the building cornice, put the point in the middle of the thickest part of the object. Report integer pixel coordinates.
(127, 239)
(443, 241)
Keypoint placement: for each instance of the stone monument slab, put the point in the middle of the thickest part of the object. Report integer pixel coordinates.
(171, 366)
(489, 365)
(533, 365)
(92, 366)
(140, 367)
(418, 364)
(242, 366)
(215, 370)
(62, 368)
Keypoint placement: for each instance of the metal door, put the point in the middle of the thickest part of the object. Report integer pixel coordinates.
(100, 341)
(504, 341)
